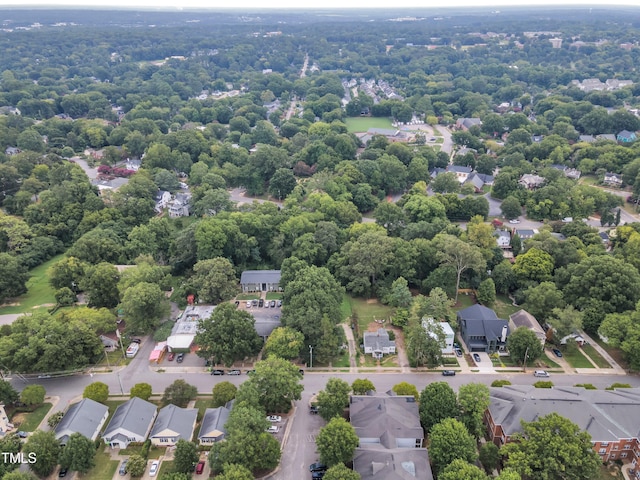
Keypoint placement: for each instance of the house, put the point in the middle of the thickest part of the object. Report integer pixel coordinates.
(391, 439)
(503, 238)
(611, 417)
(437, 171)
(378, 343)
(179, 206)
(525, 233)
(131, 422)
(586, 138)
(212, 427)
(260, 281)
(625, 136)
(186, 327)
(575, 336)
(162, 200)
(482, 330)
(11, 151)
(86, 417)
(570, 172)
(524, 319)
(172, 424)
(449, 335)
(461, 172)
(607, 136)
(5, 425)
(109, 183)
(477, 182)
(606, 240)
(612, 179)
(111, 340)
(531, 181)
(467, 123)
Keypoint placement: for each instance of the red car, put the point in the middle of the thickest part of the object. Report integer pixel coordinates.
(171, 356)
(199, 468)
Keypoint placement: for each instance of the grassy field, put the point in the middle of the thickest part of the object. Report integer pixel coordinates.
(273, 296)
(464, 301)
(503, 307)
(33, 419)
(362, 124)
(105, 468)
(165, 467)
(595, 356)
(247, 296)
(367, 311)
(39, 292)
(154, 452)
(577, 359)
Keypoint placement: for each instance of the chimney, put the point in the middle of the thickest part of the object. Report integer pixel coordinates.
(503, 338)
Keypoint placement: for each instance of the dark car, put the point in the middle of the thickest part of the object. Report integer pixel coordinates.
(123, 468)
(318, 475)
(217, 372)
(136, 340)
(233, 372)
(261, 303)
(279, 303)
(171, 356)
(301, 371)
(180, 357)
(272, 304)
(557, 352)
(254, 302)
(63, 472)
(449, 373)
(476, 357)
(314, 409)
(317, 467)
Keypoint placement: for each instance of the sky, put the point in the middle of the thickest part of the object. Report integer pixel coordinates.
(288, 4)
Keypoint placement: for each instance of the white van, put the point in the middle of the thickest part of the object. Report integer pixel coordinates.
(132, 350)
(540, 373)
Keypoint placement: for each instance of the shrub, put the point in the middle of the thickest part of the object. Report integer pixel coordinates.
(586, 386)
(618, 385)
(500, 383)
(543, 384)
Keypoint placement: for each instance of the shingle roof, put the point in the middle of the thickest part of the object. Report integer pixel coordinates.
(477, 312)
(214, 421)
(395, 464)
(134, 416)
(606, 415)
(378, 340)
(84, 417)
(174, 419)
(260, 276)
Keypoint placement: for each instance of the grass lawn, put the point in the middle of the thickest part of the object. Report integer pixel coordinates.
(503, 307)
(274, 296)
(606, 474)
(615, 353)
(39, 292)
(342, 360)
(105, 468)
(464, 301)
(577, 359)
(362, 124)
(33, 419)
(248, 296)
(367, 312)
(154, 452)
(503, 361)
(165, 467)
(547, 362)
(202, 404)
(588, 180)
(595, 356)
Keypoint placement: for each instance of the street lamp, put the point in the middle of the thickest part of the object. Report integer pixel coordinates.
(310, 356)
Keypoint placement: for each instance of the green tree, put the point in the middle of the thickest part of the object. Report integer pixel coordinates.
(450, 440)
(534, 264)
(13, 277)
(8, 394)
(233, 471)
(141, 390)
(542, 299)
(228, 335)
(101, 285)
(445, 183)
(437, 402)
(524, 342)
(46, 448)
(222, 393)
(19, 476)
(489, 456)
(65, 297)
(215, 280)
(32, 395)
(176, 476)
(461, 256)
(487, 292)
(284, 342)
(336, 442)
(179, 393)
(333, 399)
(54, 419)
(78, 454)
(511, 208)
(277, 383)
(136, 465)
(96, 391)
(508, 474)
(361, 386)
(405, 388)
(399, 295)
(185, 456)
(144, 305)
(566, 449)
(68, 272)
(282, 183)
(341, 472)
(462, 470)
(10, 443)
(473, 399)
(425, 348)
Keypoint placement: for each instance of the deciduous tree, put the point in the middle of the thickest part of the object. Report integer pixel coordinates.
(141, 390)
(233, 471)
(144, 305)
(473, 399)
(462, 470)
(334, 398)
(46, 448)
(215, 280)
(461, 256)
(450, 440)
(136, 465)
(13, 277)
(222, 393)
(32, 395)
(185, 456)
(179, 393)
(437, 402)
(78, 454)
(337, 442)
(8, 394)
(361, 386)
(284, 342)
(341, 472)
(524, 342)
(405, 388)
(96, 391)
(277, 384)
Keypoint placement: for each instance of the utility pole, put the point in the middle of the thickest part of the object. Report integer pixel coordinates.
(120, 382)
(310, 356)
(524, 365)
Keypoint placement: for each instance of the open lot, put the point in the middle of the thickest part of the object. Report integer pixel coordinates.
(362, 124)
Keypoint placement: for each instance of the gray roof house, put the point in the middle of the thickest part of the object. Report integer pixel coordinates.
(179, 206)
(467, 123)
(86, 417)
(131, 422)
(395, 464)
(378, 343)
(626, 136)
(482, 330)
(260, 281)
(212, 427)
(172, 424)
(522, 318)
(613, 179)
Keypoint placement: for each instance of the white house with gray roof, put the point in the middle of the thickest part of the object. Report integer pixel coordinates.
(260, 281)
(86, 417)
(131, 422)
(172, 424)
(378, 343)
(212, 427)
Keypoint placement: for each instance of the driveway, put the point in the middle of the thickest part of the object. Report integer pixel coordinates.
(485, 365)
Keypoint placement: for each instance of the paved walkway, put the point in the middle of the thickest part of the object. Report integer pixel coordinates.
(351, 342)
(615, 365)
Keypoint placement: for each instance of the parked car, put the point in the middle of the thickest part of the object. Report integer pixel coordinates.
(273, 429)
(249, 304)
(237, 302)
(458, 352)
(254, 302)
(476, 358)
(272, 304)
(317, 467)
(136, 340)
(22, 434)
(180, 358)
(317, 475)
(274, 418)
(279, 303)
(154, 468)
(199, 468)
(266, 304)
(557, 353)
(123, 467)
(63, 472)
(314, 409)
(217, 372)
(261, 303)
(540, 373)
(449, 373)
(233, 372)
(301, 371)
(514, 221)
(171, 357)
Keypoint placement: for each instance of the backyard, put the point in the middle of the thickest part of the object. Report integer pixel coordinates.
(104, 469)
(29, 421)
(367, 311)
(362, 124)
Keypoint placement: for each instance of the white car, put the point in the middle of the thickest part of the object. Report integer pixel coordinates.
(514, 221)
(273, 429)
(540, 373)
(274, 418)
(154, 468)
(249, 304)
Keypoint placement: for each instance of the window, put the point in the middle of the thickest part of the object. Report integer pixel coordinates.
(627, 446)
(623, 455)
(615, 447)
(602, 451)
(613, 456)
(604, 444)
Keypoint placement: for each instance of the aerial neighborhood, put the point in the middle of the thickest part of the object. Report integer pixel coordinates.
(332, 244)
